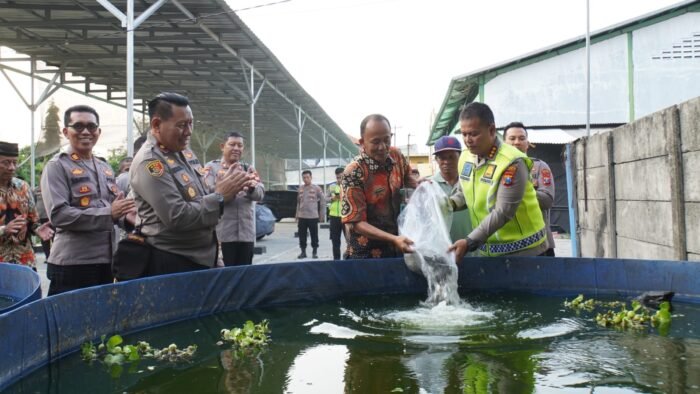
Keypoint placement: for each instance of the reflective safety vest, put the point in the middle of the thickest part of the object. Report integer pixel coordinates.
(480, 185)
(334, 209)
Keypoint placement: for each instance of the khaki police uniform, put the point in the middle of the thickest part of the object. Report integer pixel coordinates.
(78, 197)
(543, 181)
(177, 213)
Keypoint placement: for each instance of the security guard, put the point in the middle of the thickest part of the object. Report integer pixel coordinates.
(496, 188)
(83, 203)
(177, 214)
(516, 134)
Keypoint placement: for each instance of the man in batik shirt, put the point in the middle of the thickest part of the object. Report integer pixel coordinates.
(371, 195)
(18, 215)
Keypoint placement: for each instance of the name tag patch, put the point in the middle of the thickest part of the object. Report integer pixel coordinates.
(466, 171)
(490, 170)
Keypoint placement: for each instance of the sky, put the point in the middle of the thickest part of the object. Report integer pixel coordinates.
(394, 57)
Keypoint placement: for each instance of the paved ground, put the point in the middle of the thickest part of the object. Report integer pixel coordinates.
(282, 246)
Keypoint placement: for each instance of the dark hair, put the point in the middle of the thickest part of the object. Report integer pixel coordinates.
(124, 160)
(234, 134)
(306, 172)
(79, 108)
(139, 141)
(477, 110)
(377, 117)
(161, 105)
(516, 125)
(339, 170)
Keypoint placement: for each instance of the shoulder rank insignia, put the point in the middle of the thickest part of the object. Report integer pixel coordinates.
(191, 192)
(77, 171)
(188, 154)
(84, 189)
(74, 156)
(155, 168)
(170, 160)
(84, 201)
(185, 177)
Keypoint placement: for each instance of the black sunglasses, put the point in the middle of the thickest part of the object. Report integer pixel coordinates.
(79, 127)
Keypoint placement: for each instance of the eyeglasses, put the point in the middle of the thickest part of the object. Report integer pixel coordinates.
(79, 127)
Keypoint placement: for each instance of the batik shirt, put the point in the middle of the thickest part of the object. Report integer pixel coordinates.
(371, 192)
(16, 200)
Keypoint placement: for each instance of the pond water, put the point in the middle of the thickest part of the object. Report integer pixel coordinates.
(499, 342)
(6, 301)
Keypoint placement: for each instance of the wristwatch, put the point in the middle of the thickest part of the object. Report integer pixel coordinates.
(220, 199)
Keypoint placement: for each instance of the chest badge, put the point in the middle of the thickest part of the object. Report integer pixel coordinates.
(490, 170)
(170, 161)
(84, 189)
(74, 156)
(85, 201)
(188, 154)
(466, 171)
(77, 171)
(191, 192)
(155, 168)
(185, 178)
(109, 173)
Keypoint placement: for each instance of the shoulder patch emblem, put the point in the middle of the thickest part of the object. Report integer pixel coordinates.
(155, 168)
(490, 170)
(84, 189)
(185, 177)
(466, 171)
(191, 192)
(508, 174)
(74, 156)
(546, 177)
(85, 201)
(77, 171)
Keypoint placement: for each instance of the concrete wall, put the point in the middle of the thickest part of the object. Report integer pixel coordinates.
(638, 187)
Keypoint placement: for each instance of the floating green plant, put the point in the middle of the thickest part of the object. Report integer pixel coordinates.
(115, 352)
(637, 317)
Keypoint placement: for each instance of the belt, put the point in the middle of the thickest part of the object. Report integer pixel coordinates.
(511, 247)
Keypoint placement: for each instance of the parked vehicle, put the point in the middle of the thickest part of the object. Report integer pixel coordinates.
(264, 221)
(282, 203)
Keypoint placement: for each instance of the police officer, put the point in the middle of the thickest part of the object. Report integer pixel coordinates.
(515, 134)
(236, 229)
(506, 218)
(335, 214)
(83, 203)
(177, 214)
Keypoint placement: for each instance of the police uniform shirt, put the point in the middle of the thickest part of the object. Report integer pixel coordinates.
(543, 181)
(175, 209)
(238, 222)
(507, 201)
(78, 197)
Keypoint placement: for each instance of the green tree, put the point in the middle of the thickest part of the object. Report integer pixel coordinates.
(115, 156)
(25, 169)
(51, 140)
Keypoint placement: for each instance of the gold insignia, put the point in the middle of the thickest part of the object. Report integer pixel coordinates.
(188, 155)
(84, 189)
(155, 168)
(185, 178)
(77, 171)
(109, 173)
(85, 201)
(489, 171)
(170, 161)
(191, 192)
(74, 156)
(203, 170)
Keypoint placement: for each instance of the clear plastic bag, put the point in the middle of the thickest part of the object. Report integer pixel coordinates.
(426, 220)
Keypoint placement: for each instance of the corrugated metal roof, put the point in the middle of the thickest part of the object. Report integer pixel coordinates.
(173, 52)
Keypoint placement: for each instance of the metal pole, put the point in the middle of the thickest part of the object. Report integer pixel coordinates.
(588, 69)
(32, 108)
(252, 116)
(325, 164)
(130, 77)
(340, 152)
(572, 200)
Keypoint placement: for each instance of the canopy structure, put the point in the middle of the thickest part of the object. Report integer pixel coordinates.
(126, 52)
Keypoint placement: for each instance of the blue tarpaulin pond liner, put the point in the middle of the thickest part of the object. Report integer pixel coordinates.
(19, 283)
(44, 331)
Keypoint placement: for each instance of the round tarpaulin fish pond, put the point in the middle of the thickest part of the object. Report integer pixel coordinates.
(19, 285)
(46, 330)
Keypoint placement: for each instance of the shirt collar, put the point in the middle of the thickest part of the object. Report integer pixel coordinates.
(375, 165)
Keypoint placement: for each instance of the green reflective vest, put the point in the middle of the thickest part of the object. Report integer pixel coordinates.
(480, 184)
(334, 209)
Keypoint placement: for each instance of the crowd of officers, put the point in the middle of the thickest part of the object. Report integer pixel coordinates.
(186, 210)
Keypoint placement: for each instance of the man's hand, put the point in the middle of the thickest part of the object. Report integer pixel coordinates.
(232, 182)
(460, 249)
(403, 243)
(45, 232)
(16, 226)
(121, 206)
